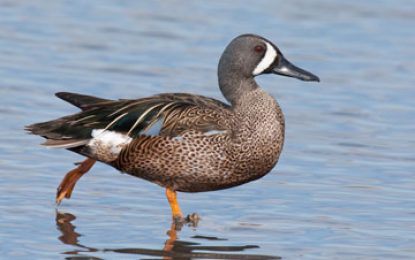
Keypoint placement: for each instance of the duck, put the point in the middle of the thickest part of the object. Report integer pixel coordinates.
(183, 142)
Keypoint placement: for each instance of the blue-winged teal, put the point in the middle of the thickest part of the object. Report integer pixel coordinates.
(183, 142)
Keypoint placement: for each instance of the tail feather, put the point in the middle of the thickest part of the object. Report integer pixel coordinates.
(66, 144)
(45, 129)
(62, 129)
(79, 100)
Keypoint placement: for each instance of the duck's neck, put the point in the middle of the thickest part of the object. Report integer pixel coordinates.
(234, 85)
(258, 107)
(253, 106)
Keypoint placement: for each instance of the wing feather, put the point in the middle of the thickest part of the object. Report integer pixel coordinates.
(178, 113)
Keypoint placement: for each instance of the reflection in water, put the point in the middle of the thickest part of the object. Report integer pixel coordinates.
(173, 248)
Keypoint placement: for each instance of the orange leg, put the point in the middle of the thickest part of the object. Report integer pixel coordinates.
(172, 233)
(175, 208)
(67, 185)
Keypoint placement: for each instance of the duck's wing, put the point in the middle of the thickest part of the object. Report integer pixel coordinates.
(164, 115)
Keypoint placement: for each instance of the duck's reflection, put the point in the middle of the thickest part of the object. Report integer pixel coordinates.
(173, 248)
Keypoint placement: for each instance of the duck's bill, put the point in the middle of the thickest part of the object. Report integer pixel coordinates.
(285, 68)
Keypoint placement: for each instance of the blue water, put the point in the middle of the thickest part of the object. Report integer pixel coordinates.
(344, 186)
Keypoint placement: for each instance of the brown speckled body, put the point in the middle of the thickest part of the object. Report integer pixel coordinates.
(246, 149)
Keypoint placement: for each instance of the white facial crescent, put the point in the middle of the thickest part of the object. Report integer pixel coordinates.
(267, 60)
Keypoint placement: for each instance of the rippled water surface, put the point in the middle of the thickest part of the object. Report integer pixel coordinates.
(344, 185)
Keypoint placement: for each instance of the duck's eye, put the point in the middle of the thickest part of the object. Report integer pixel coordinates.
(259, 49)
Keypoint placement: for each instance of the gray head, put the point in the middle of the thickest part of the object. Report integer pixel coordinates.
(248, 56)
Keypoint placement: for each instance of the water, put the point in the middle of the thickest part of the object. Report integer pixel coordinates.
(344, 186)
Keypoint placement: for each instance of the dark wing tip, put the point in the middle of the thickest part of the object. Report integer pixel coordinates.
(79, 100)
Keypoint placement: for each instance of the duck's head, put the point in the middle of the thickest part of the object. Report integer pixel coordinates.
(248, 56)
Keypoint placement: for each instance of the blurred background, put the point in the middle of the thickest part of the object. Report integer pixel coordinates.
(344, 185)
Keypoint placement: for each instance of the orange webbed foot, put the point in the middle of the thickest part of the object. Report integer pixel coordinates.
(178, 219)
(67, 185)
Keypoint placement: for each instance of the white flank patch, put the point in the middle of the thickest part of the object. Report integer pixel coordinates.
(178, 138)
(214, 132)
(267, 60)
(207, 133)
(107, 140)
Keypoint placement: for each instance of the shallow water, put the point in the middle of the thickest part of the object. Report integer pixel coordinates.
(344, 185)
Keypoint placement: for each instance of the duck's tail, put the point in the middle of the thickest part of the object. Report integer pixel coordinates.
(57, 132)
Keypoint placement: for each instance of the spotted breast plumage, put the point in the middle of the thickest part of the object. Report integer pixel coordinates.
(183, 142)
